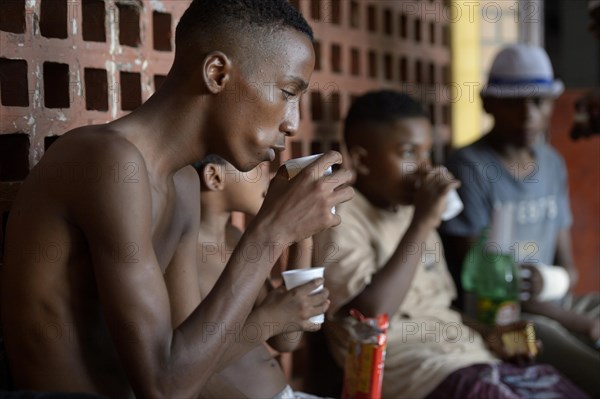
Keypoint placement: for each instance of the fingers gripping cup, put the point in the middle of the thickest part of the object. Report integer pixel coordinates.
(294, 166)
(298, 277)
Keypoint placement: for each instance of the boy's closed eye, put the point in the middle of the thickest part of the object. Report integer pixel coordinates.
(409, 151)
(406, 151)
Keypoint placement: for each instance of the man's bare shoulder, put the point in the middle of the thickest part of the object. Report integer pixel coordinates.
(90, 171)
(92, 156)
(187, 184)
(92, 144)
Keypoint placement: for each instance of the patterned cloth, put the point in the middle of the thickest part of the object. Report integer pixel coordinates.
(506, 381)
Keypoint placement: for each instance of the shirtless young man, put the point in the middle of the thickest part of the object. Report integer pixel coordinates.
(224, 190)
(119, 207)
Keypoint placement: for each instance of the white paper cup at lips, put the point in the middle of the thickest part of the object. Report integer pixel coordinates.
(556, 282)
(294, 166)
(454, 205)
(295, 278)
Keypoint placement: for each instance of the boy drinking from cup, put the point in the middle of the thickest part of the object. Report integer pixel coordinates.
(257, 374)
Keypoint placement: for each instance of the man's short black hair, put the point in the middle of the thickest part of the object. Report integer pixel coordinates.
(377, 107)
(204, 18)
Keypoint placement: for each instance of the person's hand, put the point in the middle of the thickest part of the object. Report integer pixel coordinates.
(532, 282)
(301, 207)
(290, 311)
(494, 343)
(432, 186)
(518, 336)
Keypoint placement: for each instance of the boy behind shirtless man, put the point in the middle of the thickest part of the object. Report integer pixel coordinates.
(118, 312)
(224, 190)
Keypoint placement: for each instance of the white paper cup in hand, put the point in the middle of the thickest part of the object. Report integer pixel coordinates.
(294, 166)
(556, 282)
(454, 205)
(298, 277)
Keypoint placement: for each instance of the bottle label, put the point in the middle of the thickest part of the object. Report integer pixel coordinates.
(498, 312)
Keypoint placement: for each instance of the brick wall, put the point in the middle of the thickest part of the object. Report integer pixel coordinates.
(66, 63)
(372, 44)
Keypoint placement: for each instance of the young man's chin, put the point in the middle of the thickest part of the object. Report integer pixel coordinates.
(248, 164)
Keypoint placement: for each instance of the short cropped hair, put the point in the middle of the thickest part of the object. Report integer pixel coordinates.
(214, 18)
(210, 158)
(377, 107)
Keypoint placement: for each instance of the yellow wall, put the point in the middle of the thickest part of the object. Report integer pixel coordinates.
(479, 29)
(466, 71)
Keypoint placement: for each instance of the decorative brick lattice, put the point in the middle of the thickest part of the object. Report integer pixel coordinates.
(66, 63)
(371, 44)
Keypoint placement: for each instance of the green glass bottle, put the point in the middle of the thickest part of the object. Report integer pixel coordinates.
(490, 274)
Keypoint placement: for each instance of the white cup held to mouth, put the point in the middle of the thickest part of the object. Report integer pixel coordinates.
(297, 277)
(294, 166)
(454, 205)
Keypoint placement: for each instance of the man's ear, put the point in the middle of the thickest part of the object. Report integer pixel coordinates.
(216, 71)
(212, 177)
(357, 155)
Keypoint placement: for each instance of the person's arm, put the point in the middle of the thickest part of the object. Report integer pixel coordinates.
(161, 361)
(300, 254)
(390, 284)
(564, 255)
(572, 321)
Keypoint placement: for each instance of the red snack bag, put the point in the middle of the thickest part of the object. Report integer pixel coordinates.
(363, 372)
